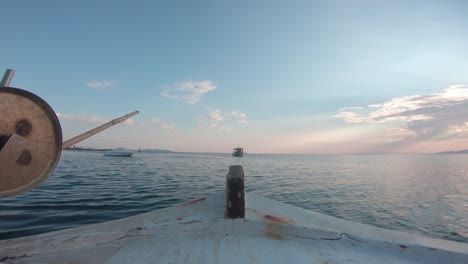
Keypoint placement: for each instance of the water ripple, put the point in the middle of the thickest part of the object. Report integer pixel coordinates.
(426, 195)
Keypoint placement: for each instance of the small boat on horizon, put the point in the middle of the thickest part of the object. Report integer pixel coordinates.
(119, 152)
(238, 152)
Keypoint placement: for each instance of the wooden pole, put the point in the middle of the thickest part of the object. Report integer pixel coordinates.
(96, 130)
(7, 78)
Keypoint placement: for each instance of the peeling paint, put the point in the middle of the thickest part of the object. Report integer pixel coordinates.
(191, 222)
(274, 231)
(70, 239)
(137, 231)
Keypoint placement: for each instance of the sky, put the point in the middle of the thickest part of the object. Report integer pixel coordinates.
(305, 77)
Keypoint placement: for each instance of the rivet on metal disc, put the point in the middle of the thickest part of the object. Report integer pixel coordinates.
(24, 158)
(23, 127)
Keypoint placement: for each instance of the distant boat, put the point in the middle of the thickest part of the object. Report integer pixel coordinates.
(120, 152)
(238, 152)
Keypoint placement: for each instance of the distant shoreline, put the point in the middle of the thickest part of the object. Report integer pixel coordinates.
(465, 151)
(99, 149)
(191, 152)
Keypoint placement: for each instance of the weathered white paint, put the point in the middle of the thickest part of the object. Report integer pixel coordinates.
(196, 232)
(120, 152)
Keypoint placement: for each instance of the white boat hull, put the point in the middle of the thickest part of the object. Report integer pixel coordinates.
(197, 232)
(118, 154)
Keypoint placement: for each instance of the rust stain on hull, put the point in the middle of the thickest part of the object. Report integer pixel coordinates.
(193, 202)
(274, 226)
(276, 219)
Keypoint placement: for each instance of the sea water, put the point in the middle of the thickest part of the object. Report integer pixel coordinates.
(420, 194)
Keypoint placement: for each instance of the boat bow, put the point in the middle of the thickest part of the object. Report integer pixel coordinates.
(197, 232)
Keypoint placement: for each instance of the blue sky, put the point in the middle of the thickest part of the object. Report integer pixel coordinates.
(271, 76)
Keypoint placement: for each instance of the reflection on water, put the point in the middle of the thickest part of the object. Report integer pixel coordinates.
(424, 194)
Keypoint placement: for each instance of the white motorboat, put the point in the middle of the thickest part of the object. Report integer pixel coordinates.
(120, 152)
(238, 152)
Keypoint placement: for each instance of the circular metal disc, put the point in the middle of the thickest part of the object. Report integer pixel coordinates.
(26, 118)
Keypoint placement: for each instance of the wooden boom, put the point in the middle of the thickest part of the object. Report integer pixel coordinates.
(96, 130)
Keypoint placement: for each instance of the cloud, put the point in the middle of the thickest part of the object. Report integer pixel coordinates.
(438, 116)
(237, 115)
(351, 108)
(190, 91)
(93, 119)
(399, 133)
(223, 121)
(164, 125)
(215, 115)
(100, 85)
(97, 120)
(351, 117)
(459, 129)
(130, 122)
(221, 127)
